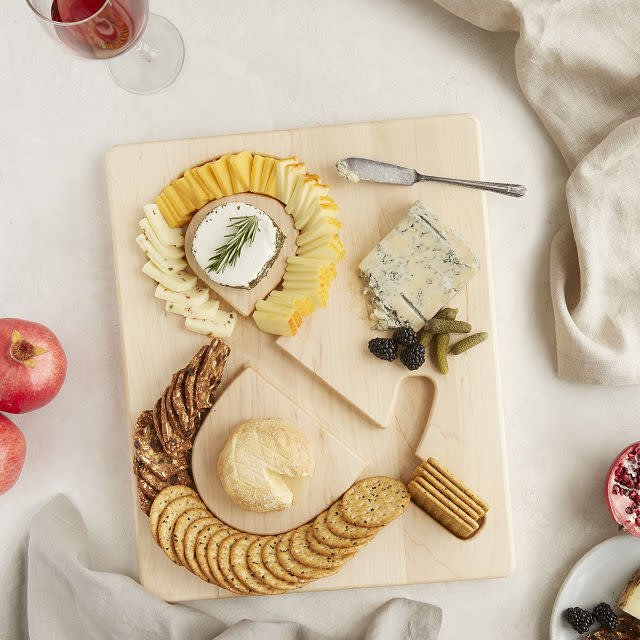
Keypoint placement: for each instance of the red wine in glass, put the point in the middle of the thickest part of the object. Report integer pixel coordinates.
(105, 28)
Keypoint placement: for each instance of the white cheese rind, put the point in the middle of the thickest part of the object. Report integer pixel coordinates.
(416, 269)
(629, 599)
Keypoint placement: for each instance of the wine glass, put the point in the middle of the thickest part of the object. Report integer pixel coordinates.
(112, 30)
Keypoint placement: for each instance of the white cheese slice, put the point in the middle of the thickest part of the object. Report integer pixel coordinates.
(280, 168)
(181, 281)
(165, 250)
(221, 327)
(165, 233)
(206, 311)
(167, 265)
(416, 269)
(254, 260)
(196, 296)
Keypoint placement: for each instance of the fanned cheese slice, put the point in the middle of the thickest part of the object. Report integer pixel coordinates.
(280, 168)
(256, 173)
(209, 179)
(166, 265)
(206, 311)
(196, 296)
(221, 327)
(165, 250)
(240, 171)
(300, 192)
(268, 179)
(416, 269)
(166, 235)
(181, 281)
(221, 172)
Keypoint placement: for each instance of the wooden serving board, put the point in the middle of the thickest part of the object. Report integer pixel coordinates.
(326, 369)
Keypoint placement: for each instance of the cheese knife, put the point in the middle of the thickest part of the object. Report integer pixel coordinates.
(356, 169)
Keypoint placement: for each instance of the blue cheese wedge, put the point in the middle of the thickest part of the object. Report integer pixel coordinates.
(416, 269)
(254, 260)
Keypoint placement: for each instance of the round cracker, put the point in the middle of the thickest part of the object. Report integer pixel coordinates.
(162, 500)
(270, 559)
(190, 545)
(212, 558)
(181, 526)
(294, 567)
(259, 570)
(323, 535)
(224, 563)
(202, 544)
(240, 567)
(332, 552)
(302, 552)
(168, 520)
(340, 527)
(374, 502)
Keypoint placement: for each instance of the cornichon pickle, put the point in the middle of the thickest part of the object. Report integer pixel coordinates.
(467, 343)
(447, 313)
(424, 337)
(439, 325)
(439, 351)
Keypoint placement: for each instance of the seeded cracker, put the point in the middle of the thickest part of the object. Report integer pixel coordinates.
(240, 567)
(180, 528)
(270, 559)
(374, 501)
(190, 543)
(287, 560)
(340, 527)
(259, 570)
(224, 563)
(321, 532)
(302, 552)
(191, 371)
(178, 403)
(161, 501)
(168, 519)
(212, 531)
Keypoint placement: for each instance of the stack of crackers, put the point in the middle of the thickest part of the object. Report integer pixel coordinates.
(243, 563)
(163, 437)
(445, 498)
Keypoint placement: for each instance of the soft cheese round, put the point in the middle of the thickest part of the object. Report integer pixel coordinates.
(259, 454)
(254, 260)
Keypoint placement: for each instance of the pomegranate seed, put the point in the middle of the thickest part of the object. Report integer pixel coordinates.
(628, 510)
(615, 490)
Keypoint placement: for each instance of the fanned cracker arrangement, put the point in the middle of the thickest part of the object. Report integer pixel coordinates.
(247, 564)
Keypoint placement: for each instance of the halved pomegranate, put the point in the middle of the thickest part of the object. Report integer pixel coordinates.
(622, 489)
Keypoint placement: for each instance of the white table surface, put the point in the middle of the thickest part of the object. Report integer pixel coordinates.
(267, 65)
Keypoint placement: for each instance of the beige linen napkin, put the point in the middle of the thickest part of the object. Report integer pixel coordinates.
(67, 600)
(578, 63)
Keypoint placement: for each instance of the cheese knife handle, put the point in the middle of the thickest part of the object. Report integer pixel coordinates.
(506, 188)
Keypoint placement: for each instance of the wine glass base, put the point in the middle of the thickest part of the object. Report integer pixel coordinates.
(154, 62)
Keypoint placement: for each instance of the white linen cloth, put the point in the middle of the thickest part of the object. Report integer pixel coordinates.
(66, 600)
(578, 63)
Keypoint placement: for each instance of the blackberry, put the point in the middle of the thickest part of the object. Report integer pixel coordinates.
(604, 614)
(413, 357)
(405, 336)
(579, 619)
(383, 348)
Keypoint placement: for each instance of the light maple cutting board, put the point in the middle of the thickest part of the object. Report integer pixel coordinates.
(326, 369)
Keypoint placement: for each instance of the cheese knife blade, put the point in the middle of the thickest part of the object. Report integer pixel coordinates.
(356, 169)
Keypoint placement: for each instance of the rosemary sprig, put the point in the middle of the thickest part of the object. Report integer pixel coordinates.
(243, 233)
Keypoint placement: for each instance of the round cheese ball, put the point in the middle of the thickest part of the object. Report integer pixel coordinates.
(259, 454)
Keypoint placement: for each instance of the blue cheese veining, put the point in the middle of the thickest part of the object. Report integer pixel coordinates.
(416, 269)
(255, 259)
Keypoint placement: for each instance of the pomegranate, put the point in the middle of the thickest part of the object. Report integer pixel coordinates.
(13, 448)
(622, 489)
(32, 365)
